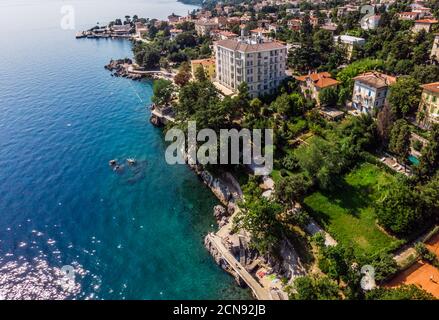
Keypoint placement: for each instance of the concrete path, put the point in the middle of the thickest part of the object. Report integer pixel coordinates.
(258, 290)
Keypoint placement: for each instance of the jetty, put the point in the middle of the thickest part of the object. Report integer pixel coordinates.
(216, 243)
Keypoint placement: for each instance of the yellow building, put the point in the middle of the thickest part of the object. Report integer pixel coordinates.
(435, 50)
(207, 64)
(428, 112)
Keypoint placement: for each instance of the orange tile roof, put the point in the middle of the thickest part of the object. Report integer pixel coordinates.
(259, 30)
(432, 87)
(321, 80)
(409, 13)
(427, 21)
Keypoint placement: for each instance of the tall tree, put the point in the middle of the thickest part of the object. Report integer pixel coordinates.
(385, 121)
(429, 162)
(405, 96)
(400, 140)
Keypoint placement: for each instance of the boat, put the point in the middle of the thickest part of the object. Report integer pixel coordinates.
(80, 35)
(112, 162)
(131, 161)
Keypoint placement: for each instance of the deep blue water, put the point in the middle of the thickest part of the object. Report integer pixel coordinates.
(131, 235)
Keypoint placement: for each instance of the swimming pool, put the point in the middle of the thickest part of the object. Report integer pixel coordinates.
(413, 160)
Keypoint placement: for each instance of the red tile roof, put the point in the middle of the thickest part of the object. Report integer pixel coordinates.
(321, 80)
(432, 87)
(427, 21)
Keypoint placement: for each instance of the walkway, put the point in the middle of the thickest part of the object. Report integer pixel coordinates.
(258, 290)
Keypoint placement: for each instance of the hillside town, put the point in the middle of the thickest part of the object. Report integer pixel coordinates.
(351, 90)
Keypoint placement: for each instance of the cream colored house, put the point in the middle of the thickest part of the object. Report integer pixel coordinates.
(424, 24)
(428, 112)
(435, 50)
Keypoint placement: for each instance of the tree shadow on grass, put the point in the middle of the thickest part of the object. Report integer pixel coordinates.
(350, 199)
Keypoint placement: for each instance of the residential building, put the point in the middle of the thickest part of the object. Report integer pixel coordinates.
(121, 30)
(370, 91)
(371, 23)
(263, 33)
(222, 35)
(173, 18)
(174, 33)
(424, 24)
(331, 27)
(203, 28)
(221, 21)
(349, 42)
(312, 83)
(294, 24)
(421, 10)
(435, 50)
(208, 66)
(412, 16)
(141, 29)
(260, 63)
(428, 112)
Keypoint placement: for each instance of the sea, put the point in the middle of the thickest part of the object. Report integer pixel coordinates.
(70, 226)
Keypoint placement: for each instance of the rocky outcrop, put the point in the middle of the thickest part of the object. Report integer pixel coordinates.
(221, 215)
(155, 121)
(220, 190)
(121, 68)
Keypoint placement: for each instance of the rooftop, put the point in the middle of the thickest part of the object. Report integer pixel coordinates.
(376, 79)
(250, 45)
(350, 39)
(427, 21)
(321, 80)
(433, 87)
(259, 30)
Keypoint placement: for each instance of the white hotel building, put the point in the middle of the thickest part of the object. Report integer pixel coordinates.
(260, 63)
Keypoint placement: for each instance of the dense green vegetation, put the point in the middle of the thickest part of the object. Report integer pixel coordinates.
(160, 51)
(329, 171)
(347, 211)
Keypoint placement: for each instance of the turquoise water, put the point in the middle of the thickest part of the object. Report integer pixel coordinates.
(413, 160)
(132, 235)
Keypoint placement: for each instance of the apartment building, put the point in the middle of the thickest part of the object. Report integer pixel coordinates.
(203, 28)
(371, 23)
(428, 112)
(260, 63)
(424, 24)
(370, 91)
(349, 43)
(435, 50)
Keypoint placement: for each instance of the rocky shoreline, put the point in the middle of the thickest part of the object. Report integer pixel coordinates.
(121, 68)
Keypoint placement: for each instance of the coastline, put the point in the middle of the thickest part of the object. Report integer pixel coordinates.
(224, 245)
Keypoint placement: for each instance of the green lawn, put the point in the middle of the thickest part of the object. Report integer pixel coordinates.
(347, 212)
